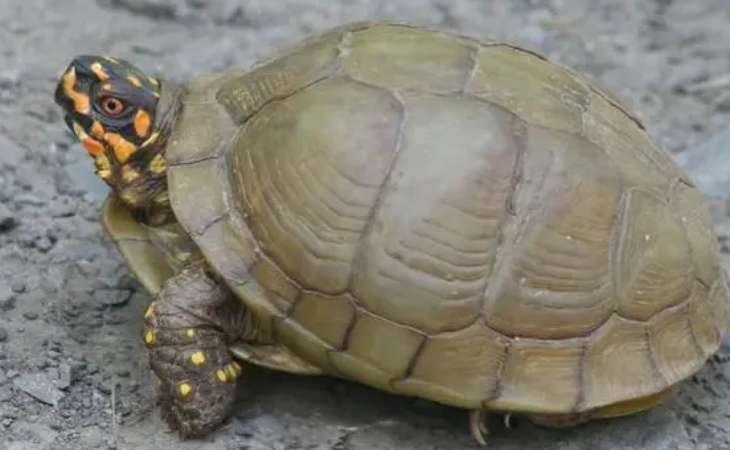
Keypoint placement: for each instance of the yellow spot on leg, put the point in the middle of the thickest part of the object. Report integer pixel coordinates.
(99, 71)
(221, 375)
(149, 312)
(190, 333)
(153, 80)
(134, 80)
(184, 389)
(237, 368)
(149, 338)
(198, 358)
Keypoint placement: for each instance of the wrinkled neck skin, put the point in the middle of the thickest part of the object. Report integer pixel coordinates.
(146, 194)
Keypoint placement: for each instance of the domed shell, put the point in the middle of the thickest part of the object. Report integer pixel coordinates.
(460, 221)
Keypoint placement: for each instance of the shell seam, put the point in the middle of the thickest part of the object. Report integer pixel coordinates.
(362, 242)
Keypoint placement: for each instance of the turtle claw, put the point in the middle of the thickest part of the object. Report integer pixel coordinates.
(478, 426)
(508, 420)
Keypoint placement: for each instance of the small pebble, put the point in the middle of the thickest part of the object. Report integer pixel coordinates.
(18, 286)
(7, 220)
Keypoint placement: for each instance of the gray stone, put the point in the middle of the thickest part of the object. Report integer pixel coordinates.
(40, 387)
(113, 297)
(7, 218)
(10, 152)
(3, 334)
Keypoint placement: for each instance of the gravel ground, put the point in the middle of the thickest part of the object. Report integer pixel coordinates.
(73, 374)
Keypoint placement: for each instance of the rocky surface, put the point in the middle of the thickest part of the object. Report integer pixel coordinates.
(73, 374)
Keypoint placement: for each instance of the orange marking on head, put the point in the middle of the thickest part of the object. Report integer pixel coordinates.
(81, 101)
(123, 149)
(99, 71)
(134, 80)
(97, 129)
(142, 123)
(94, 147)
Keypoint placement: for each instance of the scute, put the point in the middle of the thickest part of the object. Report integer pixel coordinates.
(452, 220)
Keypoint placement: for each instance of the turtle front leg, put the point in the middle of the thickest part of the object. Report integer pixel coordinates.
(188, 330)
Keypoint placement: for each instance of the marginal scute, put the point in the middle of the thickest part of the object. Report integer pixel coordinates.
(197, 198)
(398, 57)
(304, 343)
(720, 300)
(703, 321)
(377, 350)
(281, 291)
(553, 280)
(230, 248)
(461, 367)
(326, 316)
(541, 376)
(691, 208)
(306, 171)
(539, 92)
(245, 95)
(618, 365)
(674, 349)
(653, 264)
(627, 146)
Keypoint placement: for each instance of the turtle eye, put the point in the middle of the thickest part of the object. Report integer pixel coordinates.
(112, 106)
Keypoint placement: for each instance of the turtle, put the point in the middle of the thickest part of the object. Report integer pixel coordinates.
(429, 214)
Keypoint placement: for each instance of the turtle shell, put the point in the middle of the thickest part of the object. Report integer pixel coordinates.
(456, 220)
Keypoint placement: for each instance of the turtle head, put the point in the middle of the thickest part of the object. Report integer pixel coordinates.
(117, 113)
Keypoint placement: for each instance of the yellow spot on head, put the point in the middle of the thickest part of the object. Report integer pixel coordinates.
(185, 389)
(153, 80)
(106, 87)
(97, 129)
(198, 358)
(103, 167)
(129, 174)
(158, 165)
(221, 375)
(134, 80)
(123, 149)
(81, 101)
(190, 333)
(110, 59)
(99, 71)
(149, 312)
(93, 147)
(142, 123)
(151, 140)
(149, 337)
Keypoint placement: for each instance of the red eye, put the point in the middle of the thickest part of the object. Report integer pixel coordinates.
(112, 106)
